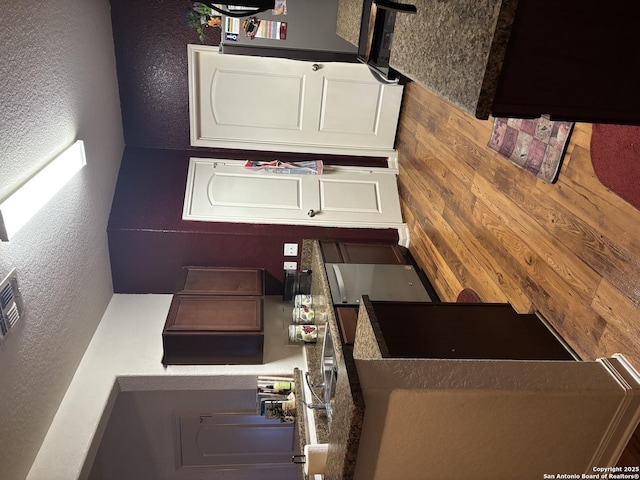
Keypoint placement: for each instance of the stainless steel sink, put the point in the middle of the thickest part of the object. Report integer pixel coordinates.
(328, 374)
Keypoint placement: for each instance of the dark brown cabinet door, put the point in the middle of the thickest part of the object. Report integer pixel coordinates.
(330, 251)
(208, 329)
(351, 252)
(371, 253)
(214, 313)
(221, 281)
(348, 320)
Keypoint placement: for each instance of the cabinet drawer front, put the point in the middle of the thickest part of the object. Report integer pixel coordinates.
(215, 313)
(192, 348)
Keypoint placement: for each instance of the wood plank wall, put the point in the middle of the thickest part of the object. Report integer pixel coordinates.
(570, 250)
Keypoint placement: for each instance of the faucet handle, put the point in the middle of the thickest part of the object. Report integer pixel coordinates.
(310, 383)
(316, 406)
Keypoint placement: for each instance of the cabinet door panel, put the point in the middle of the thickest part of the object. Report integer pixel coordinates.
(330, 251)
(215, 313)
(357, 252)
(211, 330)
(222, 281)
(348, 319)
(371, 253)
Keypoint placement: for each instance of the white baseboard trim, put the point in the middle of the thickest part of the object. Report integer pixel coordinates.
(392, 162)
(403, 235)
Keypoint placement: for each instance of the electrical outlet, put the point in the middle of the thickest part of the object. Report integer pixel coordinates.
(290, 249)
(290, 265)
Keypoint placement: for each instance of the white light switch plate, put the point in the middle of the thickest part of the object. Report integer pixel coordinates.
(290, 265)
(290, 249)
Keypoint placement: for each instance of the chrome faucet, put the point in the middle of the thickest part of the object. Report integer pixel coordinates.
(320, 405)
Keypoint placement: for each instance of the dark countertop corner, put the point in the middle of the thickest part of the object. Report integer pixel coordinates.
(369, 343)
(455, 48)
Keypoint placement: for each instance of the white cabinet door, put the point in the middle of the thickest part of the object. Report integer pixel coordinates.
(223, 190)
(278, 104)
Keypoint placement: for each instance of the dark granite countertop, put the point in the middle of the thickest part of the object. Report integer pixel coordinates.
(369, 342)
(455, 48)
(343, 434)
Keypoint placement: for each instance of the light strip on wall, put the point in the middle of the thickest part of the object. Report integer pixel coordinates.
(24, 203)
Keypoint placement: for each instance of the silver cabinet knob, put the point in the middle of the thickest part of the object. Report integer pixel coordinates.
(315, 67)
(311, 213)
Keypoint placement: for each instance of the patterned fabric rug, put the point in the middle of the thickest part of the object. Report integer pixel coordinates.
(536, 145)
(615, 155)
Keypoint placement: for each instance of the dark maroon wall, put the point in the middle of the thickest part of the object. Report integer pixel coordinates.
(149, 242)
(150, 39)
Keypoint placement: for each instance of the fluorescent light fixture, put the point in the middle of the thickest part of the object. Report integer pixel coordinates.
(24, 203)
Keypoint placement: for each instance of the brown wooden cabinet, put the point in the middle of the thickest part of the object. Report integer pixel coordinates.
(352, 252)
(216, 318)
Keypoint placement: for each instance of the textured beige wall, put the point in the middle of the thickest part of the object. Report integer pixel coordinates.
(57, 84)
(484, 419)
